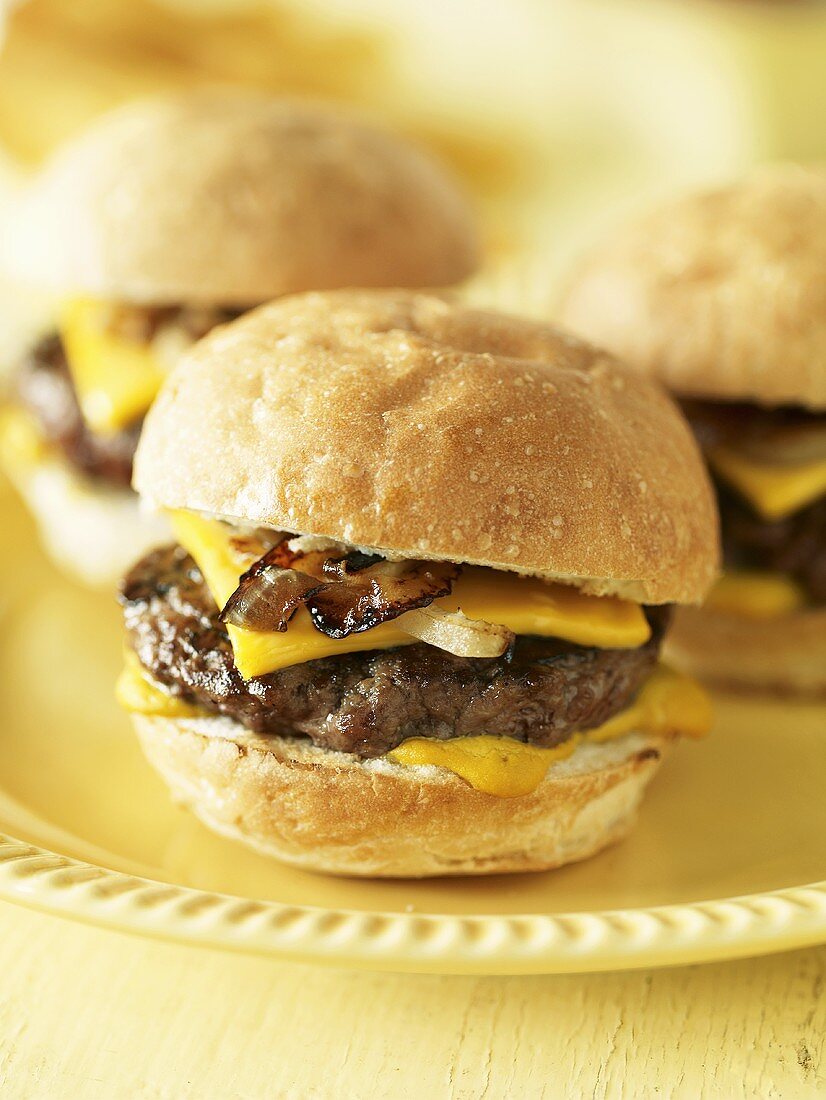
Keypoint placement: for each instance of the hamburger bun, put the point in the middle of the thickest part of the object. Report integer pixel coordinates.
(232, 198)
(720, 295)
(782, 656)
(409, 424)
(328, 811)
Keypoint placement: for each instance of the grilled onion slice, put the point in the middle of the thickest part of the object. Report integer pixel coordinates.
(345, 592)
(456, 633)
(376, 593)
(268, 595)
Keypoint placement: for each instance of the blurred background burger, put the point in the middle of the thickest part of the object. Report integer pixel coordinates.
(169, 216)
(560, 117)
(721, 295)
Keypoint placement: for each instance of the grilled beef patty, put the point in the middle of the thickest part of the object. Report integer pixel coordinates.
(795, 545)
(540, 691)
(45, 388)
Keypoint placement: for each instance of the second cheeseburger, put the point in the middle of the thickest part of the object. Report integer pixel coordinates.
(721, 296)
(425, 555)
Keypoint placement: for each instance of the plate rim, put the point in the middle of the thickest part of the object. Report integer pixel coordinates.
(532, 943)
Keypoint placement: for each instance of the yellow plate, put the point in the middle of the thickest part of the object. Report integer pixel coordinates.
(725, 861)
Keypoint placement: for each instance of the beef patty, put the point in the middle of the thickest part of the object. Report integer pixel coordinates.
(795, 545)
(540, 691)
(45, 388)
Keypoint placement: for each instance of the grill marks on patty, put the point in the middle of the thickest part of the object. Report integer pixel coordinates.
(541, 691)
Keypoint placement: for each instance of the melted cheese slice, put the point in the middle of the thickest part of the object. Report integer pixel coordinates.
(756, 595)
(775, 491)
(136, 691)
(116, 380)
(668, 703)
(524, 605)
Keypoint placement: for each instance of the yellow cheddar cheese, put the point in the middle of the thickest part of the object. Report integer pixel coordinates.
(756, 595)
(775, 491)
(528, 605)
(524, 605)
(669, 703)
(116, 379)
(136, 691)
(258, 652)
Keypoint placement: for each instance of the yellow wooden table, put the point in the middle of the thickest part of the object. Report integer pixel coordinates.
(88, 1013)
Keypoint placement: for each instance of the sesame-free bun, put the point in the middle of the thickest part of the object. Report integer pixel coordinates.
(328, 811)
(403, 422)
(720, 295)
(233, 198)
(785, 655)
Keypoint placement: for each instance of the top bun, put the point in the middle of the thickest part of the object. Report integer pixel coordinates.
(233, 198)
(402, 422)
(721, 295)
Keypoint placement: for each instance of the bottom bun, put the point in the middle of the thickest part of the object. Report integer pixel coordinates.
(328, 811)
(92, 532)
(783, 656)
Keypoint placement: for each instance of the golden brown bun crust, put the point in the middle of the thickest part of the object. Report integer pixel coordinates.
(235, 198)
(721, 295)
(782, 656)
(326, 811)
(404, 422)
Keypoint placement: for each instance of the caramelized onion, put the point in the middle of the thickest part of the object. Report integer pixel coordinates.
(455, 633)
(344, 592)
(772, 437)
(376, 593)
(311, 556)
(354, 562)
(268, 595)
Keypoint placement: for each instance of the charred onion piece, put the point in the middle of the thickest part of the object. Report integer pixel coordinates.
(268, 595)
(454, 632)
(377, 593)
(315, 563)
(355, 562)
(345, 592)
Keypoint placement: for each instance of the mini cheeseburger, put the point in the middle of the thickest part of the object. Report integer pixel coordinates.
(722, 296)
(169, 217)
(424, 558)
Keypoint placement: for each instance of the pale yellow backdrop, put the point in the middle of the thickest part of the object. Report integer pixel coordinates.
(559, 115)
